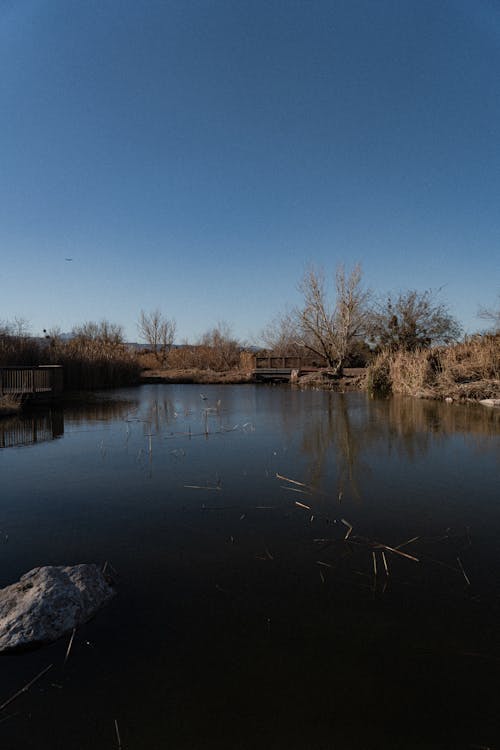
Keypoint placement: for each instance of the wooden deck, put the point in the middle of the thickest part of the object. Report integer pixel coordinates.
(31, 382)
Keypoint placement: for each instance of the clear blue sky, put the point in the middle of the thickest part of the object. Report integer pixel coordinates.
(196, 155)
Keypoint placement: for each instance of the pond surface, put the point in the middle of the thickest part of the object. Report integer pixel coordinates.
(294, 570)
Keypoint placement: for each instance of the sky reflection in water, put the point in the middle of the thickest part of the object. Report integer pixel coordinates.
(249, 612)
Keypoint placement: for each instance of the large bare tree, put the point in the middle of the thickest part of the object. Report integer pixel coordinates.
(412, 320)
(158, 332)
(330, 328)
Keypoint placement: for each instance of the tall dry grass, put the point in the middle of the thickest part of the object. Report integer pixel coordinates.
(95, 357)
(93, 360)
(470, 369)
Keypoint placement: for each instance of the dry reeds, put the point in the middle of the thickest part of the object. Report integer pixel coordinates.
(470, 369)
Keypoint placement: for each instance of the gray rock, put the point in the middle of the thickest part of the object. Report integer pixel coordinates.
(48, 602)
(490, 402)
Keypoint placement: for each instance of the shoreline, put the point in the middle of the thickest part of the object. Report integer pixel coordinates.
(354, 379)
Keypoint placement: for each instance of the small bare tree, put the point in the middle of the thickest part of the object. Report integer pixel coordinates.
(158, 332)
(411, 321)
(331, 329)
(218, 349)
(492, 315)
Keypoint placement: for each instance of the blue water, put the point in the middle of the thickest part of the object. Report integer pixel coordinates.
(244, 619)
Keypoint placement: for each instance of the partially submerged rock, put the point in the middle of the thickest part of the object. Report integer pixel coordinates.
(490, 402)
(48, 602)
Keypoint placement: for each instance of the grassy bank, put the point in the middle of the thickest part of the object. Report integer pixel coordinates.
(466, 371)
(195, 375)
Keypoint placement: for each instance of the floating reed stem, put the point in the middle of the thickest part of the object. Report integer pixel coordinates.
(374, 563)
(397, 552)
(118, 738)
(302, 505)
(386, 568)
(292, 481)
(349, 528)
(68, 650)
(294, 489)
(413, 539)
(25, 688)
(463, 571)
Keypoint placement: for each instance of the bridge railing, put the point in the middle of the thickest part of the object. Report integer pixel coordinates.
(287, 363)
(30, 380)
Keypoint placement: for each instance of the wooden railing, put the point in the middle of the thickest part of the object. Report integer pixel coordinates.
(288, 363)
(21, 381)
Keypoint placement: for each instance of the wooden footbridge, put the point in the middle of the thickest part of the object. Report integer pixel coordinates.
(284, 369)
(31, 382)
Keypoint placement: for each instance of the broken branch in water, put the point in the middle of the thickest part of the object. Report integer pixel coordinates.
(349, 528)
(292, 481)
(25, 688)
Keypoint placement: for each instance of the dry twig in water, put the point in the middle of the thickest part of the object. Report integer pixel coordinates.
(397, 552)
(25, 688)
(68, 650)
(302, 505)
(463, 571)
(385, 563)
(292, 481)
(118, 738)
(349, 528)
(413, 539)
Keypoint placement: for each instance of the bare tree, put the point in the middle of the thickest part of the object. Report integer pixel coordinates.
(330, 329)
(282, 336)
(492, 315)
(218, 348)
(413, 320)
(158, 332)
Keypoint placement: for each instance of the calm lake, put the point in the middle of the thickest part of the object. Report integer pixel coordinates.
(293, 570)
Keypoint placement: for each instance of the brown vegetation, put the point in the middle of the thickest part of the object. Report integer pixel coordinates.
(469, 370)
(95, 357)
(9, 405)
(196, 375)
